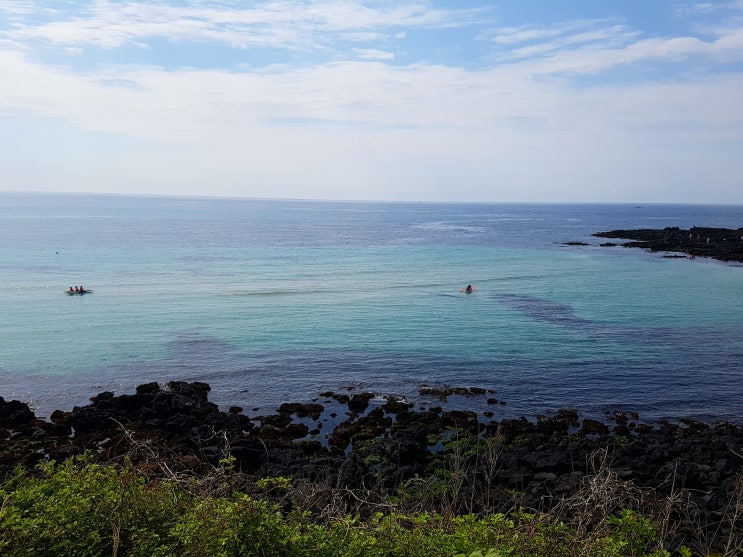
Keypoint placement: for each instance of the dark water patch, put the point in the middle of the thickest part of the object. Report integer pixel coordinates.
(195, 348)
(542, 310)
(718, 342)
(655, 384)
(664, 389)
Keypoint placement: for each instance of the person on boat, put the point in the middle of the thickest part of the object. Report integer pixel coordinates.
(71, 290)
(82, 290)
(77, 289)
(468, 290)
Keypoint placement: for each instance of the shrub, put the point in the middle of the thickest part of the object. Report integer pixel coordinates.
(79, 508)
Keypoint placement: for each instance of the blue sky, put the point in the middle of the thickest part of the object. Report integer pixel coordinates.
(513, 100)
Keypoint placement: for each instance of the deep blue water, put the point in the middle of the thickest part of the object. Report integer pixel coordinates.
(273, 301)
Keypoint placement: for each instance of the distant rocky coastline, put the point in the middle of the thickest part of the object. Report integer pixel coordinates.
(724, 244)
(357, 441)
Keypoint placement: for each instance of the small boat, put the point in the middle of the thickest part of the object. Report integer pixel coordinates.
(78, 292)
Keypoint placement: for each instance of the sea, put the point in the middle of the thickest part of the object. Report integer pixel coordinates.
(273, 301)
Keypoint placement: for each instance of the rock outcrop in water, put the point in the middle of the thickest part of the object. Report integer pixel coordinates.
(725, 244)
(379, 446)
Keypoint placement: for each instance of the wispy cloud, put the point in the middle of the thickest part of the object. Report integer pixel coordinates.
(696, 8)
(615, 36)
(560, 32)
(589, 47)
(295, 24)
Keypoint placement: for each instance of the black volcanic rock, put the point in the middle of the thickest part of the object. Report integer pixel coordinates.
(725, 244)
(543, 460)
(359, 402)
(14, 413)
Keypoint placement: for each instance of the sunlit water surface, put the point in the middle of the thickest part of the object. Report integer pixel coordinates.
(272, 301)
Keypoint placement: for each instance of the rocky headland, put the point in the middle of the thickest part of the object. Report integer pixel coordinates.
(356, 441)
(725, 244)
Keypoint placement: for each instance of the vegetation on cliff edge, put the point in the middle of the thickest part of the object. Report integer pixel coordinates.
(81, 508)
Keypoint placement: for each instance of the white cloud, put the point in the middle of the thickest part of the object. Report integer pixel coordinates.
(512, 130)
(516, 35)
(14, 8)
(374, 54)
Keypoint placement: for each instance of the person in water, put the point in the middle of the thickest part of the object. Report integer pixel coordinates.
(468, 290)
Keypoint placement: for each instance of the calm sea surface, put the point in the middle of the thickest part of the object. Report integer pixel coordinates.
(274, 301)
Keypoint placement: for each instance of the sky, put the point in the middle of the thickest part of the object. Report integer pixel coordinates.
(410, 100)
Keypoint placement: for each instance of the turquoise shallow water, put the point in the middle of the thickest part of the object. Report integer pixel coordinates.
(272, 301)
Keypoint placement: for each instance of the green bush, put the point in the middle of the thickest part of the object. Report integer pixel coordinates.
(79, 508)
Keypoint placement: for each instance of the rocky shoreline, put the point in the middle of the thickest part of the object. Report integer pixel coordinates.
(724, 244)
(353, 442)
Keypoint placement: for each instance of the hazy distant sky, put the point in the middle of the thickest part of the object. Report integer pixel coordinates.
(461, 100)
